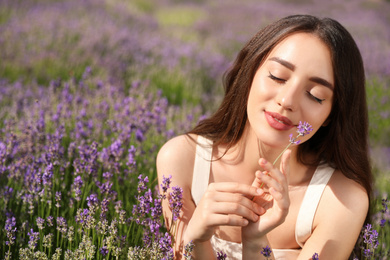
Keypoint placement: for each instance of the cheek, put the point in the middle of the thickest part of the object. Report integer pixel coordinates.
(318, 118)
(260, 90)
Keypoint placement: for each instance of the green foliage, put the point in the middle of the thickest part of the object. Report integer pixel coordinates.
(378, 98)
(179, 16)
(175, 86)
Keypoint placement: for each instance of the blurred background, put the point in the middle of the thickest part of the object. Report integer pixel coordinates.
(179, 47)
(116, 73)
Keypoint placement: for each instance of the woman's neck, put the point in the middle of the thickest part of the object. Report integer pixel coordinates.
(253, 150)
(248, 150)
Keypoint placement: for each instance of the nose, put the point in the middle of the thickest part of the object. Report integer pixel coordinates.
(287, 98)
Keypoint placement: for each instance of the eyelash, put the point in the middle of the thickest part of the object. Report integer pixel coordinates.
(282, 81)
(315, 98)
(276, 79)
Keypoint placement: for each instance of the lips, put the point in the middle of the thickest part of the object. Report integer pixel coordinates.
(278, 121)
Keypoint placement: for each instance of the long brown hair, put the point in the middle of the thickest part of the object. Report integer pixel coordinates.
(343, 142)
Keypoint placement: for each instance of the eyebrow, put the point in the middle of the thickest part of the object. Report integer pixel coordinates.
(285, 63)
(292, 67)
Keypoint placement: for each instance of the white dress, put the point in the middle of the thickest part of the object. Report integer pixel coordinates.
(303, 228)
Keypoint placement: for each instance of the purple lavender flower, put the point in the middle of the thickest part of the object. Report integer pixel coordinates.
(142, 183)
(104, 208)
(221, 255)
(76, 187)
(166, 182)
(370, 240)
(104, 251)
(50, 220)
(107, 176)
(315, 257)
(382, 222)
(10, 229)
(92, 200)
(144, 204)
(188, 248)
(40, 222)
(266, 251)
(116, 149)
(175, 202)
(105, 188)
(61, 225)
(147, 238)
(33, 239)
(48, 175)
(385, 203)
(293, 140)
(139, 135)
(82, 215)
(165, 242)
(58, 199)
(304, 128)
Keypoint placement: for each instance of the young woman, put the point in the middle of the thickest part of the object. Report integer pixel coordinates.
(315, 198)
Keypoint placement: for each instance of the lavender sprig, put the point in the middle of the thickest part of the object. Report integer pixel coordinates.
(370, 241)
(188, 248)
(303, 129)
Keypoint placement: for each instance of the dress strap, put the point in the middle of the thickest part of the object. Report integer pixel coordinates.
(202, 167)
(304, 225)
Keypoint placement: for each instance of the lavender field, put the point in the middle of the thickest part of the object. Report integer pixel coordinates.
(91, 89)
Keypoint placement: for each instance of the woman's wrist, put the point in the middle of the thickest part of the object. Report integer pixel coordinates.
(198, 250)
(251, 248)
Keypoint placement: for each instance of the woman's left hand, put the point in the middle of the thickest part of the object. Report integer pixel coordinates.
(275, 199)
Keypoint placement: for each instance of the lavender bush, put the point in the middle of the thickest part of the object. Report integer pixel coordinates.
(70, 158)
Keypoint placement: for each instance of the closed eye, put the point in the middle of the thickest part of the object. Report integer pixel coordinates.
(319, 100)
(276, 79)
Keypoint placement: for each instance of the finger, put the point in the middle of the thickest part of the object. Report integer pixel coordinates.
(269, 181)
(229, 208)
(236, 199)
(282, 199)
(227, 220)
(235, 187)
(257, 182)
(275, 173)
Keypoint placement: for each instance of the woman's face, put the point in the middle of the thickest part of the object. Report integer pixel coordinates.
(295, 83)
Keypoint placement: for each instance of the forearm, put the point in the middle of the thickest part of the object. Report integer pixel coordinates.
(251, 249)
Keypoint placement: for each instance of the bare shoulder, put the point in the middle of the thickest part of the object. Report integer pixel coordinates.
(343, 198)
(347, 193)
(339, 218)
(176, 158)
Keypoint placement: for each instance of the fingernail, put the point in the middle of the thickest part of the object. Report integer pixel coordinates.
(263, 161)
(259, 191)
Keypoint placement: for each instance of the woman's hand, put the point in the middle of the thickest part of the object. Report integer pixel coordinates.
(223, 204)
(274, 199)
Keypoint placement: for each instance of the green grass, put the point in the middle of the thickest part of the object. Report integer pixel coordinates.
(179, 16)
(176, 87)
